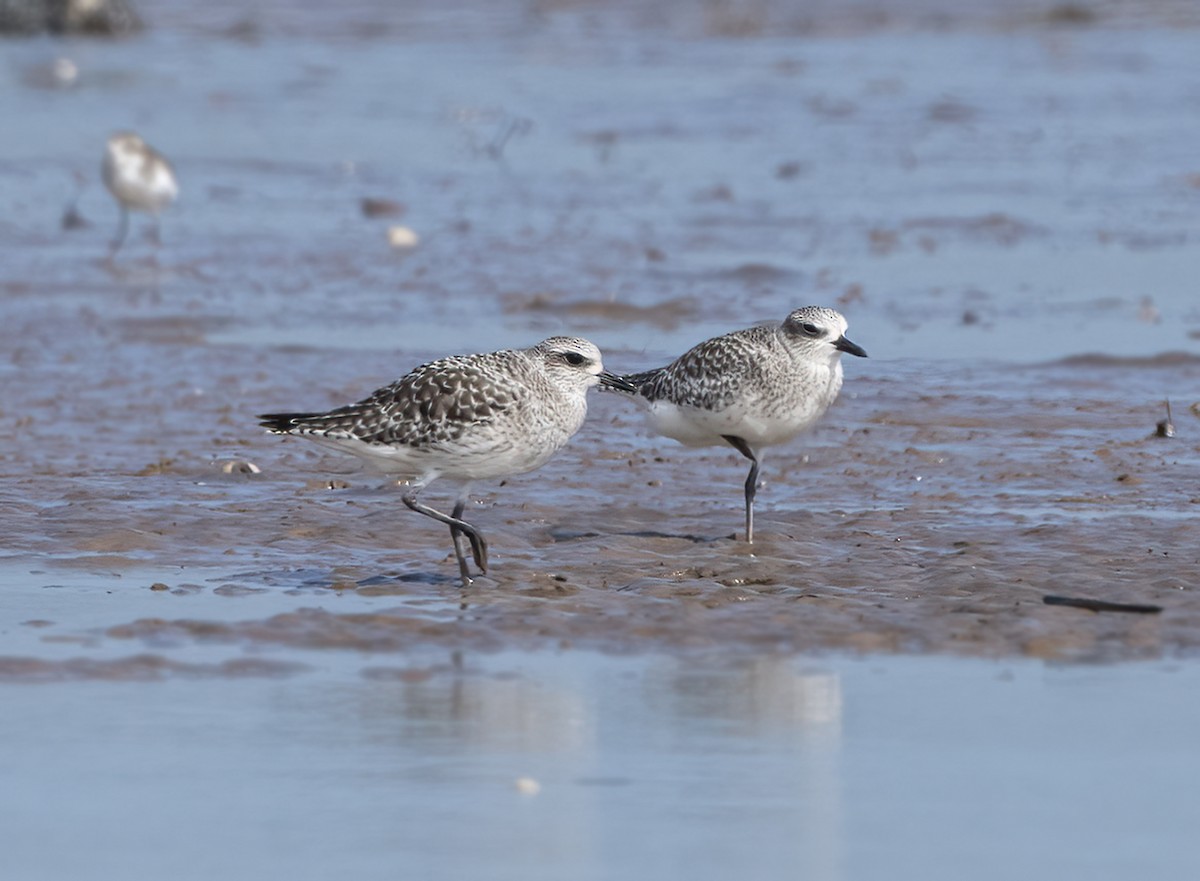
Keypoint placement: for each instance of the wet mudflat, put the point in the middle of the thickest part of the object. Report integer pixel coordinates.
(913, 520)
(1002, 201)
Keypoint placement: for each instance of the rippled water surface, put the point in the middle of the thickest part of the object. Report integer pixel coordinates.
(1001, 198)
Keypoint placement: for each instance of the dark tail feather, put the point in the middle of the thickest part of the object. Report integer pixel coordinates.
(283, 423)
(639, 380)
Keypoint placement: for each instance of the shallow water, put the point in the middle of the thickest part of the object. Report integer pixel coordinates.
(1000, 197)
(448, 764)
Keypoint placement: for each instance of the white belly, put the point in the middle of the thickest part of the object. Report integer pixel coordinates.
(760, 417)
(702, 428)
(465, 462)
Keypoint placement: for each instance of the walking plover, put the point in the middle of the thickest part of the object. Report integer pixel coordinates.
(140, 179)
(467, 417)
(751, 388)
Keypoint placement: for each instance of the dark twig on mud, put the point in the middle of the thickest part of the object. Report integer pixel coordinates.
(1100, 605)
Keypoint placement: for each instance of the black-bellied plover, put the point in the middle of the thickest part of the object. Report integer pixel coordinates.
(751, 388)
(468, 417)
(140, 179)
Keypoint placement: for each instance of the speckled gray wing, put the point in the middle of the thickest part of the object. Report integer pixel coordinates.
(709, 375)
(434, 405)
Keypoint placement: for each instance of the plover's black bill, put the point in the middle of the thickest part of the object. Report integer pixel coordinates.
(844, 345)
(612, 381)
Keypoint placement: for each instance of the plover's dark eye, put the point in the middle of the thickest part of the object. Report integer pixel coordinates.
(574, 358)
(810, 329)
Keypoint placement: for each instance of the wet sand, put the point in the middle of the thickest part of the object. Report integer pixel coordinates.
(910, 521)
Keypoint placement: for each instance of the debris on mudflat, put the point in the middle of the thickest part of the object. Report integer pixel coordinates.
(378, 207)
(1100, 605)
(1165, 427)
(88, 18)
(401, 238)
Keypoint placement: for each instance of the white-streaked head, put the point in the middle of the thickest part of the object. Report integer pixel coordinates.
(819, 331)
(574, 362)
(126, 145)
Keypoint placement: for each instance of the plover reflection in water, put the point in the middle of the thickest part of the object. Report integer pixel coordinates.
(751, 388)
(140, 179)
(468, 417)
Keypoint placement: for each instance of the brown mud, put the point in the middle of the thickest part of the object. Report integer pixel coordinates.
(912, 520)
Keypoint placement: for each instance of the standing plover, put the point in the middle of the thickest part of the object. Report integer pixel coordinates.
(751, 388)
(467, 417)
(140, 179)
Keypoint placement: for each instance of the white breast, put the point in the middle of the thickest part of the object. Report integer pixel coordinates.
(760, 417)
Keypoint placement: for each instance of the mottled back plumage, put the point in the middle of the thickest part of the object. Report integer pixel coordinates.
(434, 405)
(710, 375)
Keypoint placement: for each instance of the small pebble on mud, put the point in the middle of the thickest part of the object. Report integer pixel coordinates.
(527, 786)
(72, 219)
(402, 238)
(1165, 427)
(788, 170)
(376, 207)
(319, 483)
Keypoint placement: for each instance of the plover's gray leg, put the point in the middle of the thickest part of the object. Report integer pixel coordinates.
(455, 532)
(751, 481)
(478, 542)
(478, 545)
(122, 231)
(156, 231)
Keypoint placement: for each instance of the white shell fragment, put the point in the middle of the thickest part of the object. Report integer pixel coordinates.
(402, 238)
(527, 786)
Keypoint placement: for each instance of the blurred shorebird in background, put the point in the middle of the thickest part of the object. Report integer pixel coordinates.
(140, 179)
